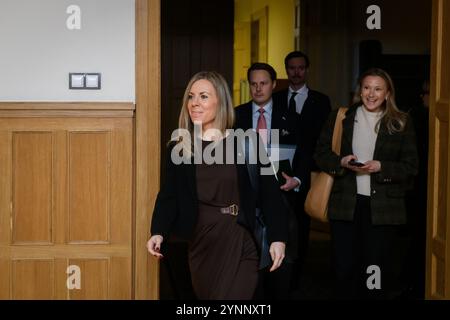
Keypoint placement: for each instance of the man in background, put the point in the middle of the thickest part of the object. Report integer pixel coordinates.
(307, 111)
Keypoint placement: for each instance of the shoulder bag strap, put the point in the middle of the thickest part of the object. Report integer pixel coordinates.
(337, 132)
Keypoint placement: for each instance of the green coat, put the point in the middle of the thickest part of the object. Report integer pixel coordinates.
(399, 164)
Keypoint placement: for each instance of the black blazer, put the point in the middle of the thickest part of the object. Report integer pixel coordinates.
(176, 206)
(244, 120)
(307, 127)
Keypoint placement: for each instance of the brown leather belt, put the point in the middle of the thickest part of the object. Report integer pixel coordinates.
(232, 210)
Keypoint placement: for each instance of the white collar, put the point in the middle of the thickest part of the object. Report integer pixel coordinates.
(267, 107)
(302, 90)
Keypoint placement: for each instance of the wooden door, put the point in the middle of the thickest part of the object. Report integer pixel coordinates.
(438, 224)
(66, 201)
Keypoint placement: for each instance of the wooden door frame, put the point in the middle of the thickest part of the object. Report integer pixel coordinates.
(147, 143)
(438, 245)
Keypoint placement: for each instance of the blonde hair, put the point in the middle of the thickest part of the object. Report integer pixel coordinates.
(224, 118)
(392, 117)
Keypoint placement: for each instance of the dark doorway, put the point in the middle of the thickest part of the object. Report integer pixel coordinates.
(408, 71)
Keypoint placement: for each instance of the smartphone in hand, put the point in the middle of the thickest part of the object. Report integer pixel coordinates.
(355, 163)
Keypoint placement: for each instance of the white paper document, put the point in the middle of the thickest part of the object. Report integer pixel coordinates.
(281, 152)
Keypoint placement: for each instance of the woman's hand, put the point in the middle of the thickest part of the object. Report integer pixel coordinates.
(277, 250)
(369, 167)
(345, 160)
(154, 245)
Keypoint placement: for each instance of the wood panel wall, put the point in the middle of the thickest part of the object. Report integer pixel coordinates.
(54, 154)
(66, 192)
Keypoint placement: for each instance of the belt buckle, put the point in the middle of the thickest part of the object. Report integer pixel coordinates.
(234, 209)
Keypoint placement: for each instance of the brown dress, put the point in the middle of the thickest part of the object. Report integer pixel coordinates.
(222, 254)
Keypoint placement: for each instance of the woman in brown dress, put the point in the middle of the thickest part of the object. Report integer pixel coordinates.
(210, 200)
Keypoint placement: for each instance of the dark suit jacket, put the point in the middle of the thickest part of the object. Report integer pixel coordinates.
(244, 120)
(176, 206)
(399, 162)
(307, 127)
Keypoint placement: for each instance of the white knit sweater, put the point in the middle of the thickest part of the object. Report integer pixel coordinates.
(364, 138)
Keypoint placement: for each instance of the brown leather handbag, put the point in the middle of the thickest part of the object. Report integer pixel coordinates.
(316, 204)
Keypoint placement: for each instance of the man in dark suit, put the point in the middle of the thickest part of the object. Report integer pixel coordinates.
(262, 81)
(307, 112)
(262, 114)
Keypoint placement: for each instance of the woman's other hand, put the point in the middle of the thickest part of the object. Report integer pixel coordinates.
(154, 246)
(345, 160)
(369, 167)
(277, 251)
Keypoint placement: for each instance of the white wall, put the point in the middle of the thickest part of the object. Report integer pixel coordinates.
(37, 50)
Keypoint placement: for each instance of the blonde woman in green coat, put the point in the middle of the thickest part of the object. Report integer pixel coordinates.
(377, 162)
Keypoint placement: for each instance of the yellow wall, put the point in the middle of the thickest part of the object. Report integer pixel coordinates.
(280, 38)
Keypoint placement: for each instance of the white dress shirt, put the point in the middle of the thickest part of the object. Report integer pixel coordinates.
(267, 115)
(300, 98)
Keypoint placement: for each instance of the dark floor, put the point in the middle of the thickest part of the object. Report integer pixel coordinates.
(317, 279)
(316, 282)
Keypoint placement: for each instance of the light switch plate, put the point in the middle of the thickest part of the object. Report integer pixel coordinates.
(87, 81)
(93, 81)
(76, 80)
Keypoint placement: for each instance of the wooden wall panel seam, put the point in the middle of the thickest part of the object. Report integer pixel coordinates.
(67, 106)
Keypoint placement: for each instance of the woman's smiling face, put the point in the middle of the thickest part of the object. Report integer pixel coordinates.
(203, 103)
(374, 93)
